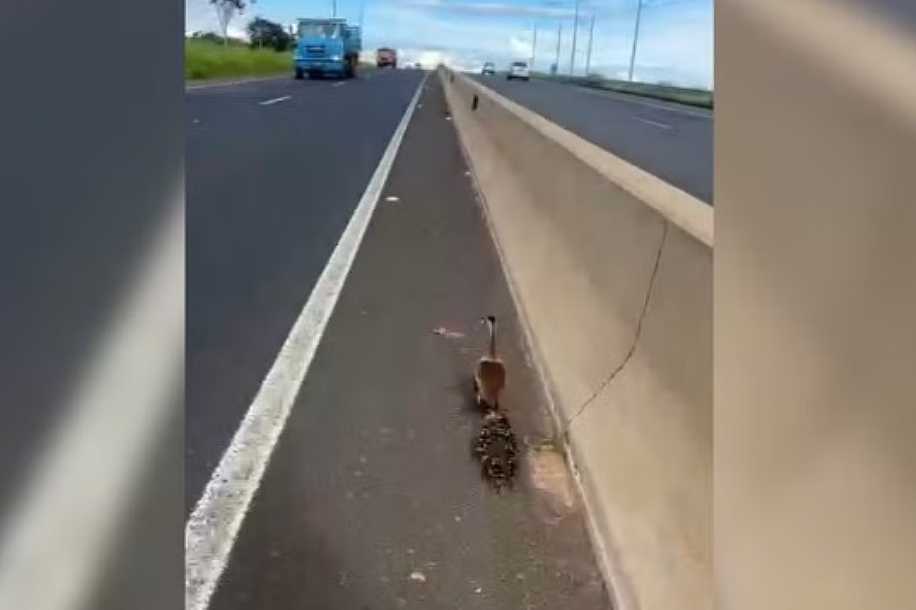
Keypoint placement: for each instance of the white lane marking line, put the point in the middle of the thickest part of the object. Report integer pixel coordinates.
(624, 97)
(656, 123)
(232, 83)
(78, 495)
(340, 84)
(392, 198)
(275, 100)
(213, 526)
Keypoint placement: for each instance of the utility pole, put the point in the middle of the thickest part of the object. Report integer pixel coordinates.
(588, 56)
(334, 9)
(572, 54)
(635, 38)
(556, 65)
(534, 45)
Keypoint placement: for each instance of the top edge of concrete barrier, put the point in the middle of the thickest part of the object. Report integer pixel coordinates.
(680, 208)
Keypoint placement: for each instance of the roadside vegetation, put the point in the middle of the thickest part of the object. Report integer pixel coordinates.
(683, 95)
(209, 56)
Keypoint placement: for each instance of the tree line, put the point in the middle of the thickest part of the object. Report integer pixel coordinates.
(262, 33)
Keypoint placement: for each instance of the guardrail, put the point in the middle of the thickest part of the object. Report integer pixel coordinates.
(611, 269)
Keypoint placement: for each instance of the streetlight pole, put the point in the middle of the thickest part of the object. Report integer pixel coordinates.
(635, 38)
(334, 9)
(534, 45)
(572, 53)
(588, 56)
(556, 64)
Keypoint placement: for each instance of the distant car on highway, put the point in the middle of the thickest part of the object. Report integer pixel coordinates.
(518, 69)
(488, 68)
(418, 66)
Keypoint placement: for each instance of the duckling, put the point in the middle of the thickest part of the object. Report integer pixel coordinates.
(496, 449)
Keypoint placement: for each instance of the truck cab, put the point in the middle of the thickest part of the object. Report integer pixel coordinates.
(386, 57)
(327, 47)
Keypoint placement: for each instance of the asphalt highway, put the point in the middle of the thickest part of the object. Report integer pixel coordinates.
(371, 497)
(671, 141)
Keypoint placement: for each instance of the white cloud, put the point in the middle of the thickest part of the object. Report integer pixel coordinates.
(520, 46)
(430, 58)
(200, 16)
(504, 9)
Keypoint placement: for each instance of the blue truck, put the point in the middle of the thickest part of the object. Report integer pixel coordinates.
(327, 47)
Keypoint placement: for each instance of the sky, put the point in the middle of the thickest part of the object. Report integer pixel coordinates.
(675, 39)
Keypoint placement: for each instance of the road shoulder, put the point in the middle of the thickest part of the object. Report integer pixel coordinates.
(372, 498)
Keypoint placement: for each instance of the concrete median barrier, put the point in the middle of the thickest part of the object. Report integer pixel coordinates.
(611, 269)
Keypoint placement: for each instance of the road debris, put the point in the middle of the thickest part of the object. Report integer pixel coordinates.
(448, 334)
(418, 576)
(392, 198)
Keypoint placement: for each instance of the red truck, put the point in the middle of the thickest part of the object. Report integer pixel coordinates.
(386, 57)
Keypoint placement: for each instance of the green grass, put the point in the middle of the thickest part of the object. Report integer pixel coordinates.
(683, 95)
(204, 59)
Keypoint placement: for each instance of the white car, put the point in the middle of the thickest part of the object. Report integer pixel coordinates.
(518, 69)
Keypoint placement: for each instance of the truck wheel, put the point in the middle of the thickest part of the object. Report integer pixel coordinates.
(299, 74)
